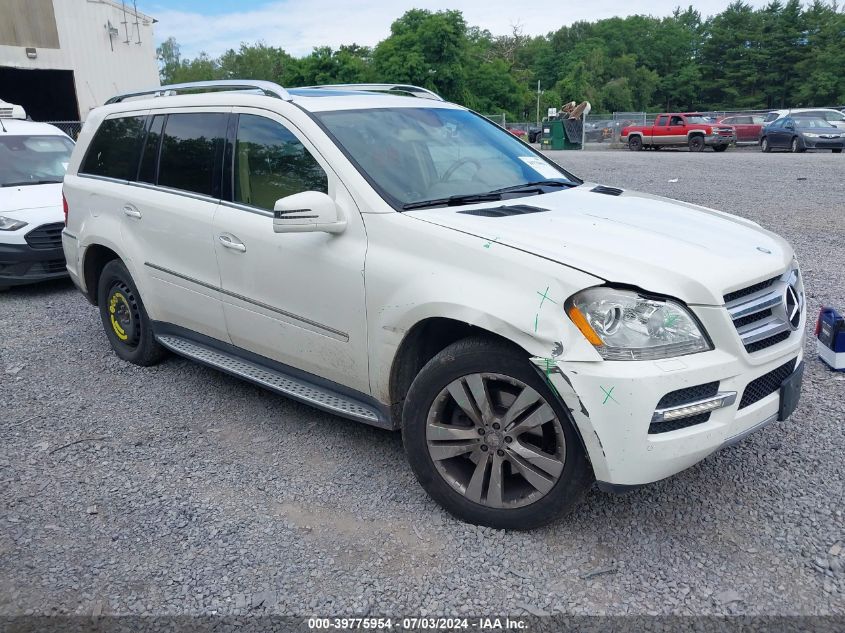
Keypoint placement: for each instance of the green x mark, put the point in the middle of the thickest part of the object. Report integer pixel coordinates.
(608, 395)
(545, 296)
(493, 241)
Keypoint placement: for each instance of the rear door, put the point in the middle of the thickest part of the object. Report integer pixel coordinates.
(661, 130)
(296, 298)
(168, 217)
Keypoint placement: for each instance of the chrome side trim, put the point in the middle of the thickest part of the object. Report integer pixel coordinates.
(272, 379)
(322, 329)
(741, 436)
(719, 401)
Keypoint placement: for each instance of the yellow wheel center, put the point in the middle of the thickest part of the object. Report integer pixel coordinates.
(119, 302)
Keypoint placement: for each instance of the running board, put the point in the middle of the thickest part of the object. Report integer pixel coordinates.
(276, 380)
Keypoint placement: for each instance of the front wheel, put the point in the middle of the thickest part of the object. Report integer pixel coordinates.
(836, 151)
(125, 320)
(795, 147)
(764, 145)
(695, 143)
(635, 143)
(488, 440)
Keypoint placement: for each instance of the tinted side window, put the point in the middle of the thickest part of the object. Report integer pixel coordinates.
(114, 149)
(661, 120)
(191, 150)
(149, 155)
(271, 163)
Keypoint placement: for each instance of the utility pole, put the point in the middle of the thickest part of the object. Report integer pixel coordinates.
(538, 103)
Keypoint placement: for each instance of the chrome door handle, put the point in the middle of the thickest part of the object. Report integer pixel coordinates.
(228, 242)
(131, 211)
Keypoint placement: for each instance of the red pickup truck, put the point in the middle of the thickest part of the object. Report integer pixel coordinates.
(692, 129)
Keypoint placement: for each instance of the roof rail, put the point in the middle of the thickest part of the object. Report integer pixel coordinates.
(415, 91)
(267, 87)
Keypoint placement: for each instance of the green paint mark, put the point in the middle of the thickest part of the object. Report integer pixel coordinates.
(608, 395)
(493, 241)
(670, 320)
(544, 296)
(536, 320)
(550, 363)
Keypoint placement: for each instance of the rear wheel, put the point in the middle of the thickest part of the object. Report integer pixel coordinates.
(836, 151)
(635, 143)
(720, 148)
(125, 320)
(764, 145)
(489, 441)
(695, 143)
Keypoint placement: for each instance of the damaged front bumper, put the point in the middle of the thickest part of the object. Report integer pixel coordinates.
(631, 440)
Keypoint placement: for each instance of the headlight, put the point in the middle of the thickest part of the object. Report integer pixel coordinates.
(811, 135)
(10, 224)
(625, 325)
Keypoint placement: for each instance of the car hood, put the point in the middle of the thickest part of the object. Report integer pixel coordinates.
(15, 200)
(657, 244)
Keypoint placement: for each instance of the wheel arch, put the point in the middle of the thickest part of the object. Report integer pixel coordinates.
(424, 341)
(94, 259)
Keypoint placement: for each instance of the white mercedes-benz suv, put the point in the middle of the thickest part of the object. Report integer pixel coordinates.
(390, 257)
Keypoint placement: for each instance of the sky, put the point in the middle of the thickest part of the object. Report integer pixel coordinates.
(298, 26)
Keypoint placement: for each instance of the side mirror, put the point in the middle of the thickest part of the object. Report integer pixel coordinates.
(307, 212)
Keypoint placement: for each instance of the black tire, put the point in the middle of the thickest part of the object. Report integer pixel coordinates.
(720, 148)
(124, 318)
(796, 147)
(764, 145)
(695, 143)
(836, 151)
(470, 357)
(635, 143)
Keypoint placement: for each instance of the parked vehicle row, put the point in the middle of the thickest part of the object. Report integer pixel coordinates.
(562, 332)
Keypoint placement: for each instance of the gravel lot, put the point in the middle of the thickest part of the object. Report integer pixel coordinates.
(191, 492)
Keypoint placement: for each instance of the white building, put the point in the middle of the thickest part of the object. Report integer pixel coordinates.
(60, 58)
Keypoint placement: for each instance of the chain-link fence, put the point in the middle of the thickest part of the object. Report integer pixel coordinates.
(71, 128)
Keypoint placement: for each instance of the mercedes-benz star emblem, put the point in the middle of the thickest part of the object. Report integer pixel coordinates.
(792, 305)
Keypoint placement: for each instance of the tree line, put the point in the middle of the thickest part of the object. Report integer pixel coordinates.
(781, 55)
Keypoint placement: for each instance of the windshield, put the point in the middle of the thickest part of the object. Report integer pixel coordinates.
(437, 156)
(33, 160)
(811, 123)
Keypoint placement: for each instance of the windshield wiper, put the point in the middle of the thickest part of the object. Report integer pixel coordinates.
(532, 186)
(453, 201)
(30, 182)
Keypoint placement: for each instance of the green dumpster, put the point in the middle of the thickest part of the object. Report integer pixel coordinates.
(553, 136)
(561, 134)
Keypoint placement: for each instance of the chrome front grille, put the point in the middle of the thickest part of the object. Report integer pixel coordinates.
(766, 313)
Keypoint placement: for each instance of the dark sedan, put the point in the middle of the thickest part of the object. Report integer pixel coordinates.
(800, 134)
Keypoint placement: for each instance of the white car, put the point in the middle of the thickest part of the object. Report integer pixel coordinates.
(33, 159)
(406, 263)
(834, 117)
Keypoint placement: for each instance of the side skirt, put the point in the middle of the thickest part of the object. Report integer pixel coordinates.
(282, 379)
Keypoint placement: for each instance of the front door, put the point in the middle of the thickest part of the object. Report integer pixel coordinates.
(297, 298)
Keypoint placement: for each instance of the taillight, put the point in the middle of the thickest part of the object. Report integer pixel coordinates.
(64, 207)
(819, 322)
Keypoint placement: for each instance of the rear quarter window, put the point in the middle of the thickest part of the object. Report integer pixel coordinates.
(113, 152)
(192, 151)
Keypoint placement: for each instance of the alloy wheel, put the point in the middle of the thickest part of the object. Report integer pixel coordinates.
(495, 440)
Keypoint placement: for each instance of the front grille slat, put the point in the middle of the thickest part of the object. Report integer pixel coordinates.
(758, 311)
(45, 236)
(766, 385)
